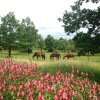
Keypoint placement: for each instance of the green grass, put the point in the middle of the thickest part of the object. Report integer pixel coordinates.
(92, 66)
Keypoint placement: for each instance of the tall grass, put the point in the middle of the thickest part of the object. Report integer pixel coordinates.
(92, 68)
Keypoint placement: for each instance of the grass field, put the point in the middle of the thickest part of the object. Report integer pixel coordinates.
(92, 66)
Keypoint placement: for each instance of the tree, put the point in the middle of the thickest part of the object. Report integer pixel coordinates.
(8, 31)
(28, 35)
(83, 43)
(71, 45)
(83, 18)
(50, 43)
(62, 44)
(94, 1)
(41, 42)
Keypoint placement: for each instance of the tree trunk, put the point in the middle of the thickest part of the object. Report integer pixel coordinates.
(9, 51)
(28, 51)
(88, 56)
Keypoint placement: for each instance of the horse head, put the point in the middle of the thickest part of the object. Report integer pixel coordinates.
(35, 54)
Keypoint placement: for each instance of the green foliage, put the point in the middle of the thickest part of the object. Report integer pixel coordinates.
(8, 96)
(81, 52)
(24, 36)
(83, 40)
(48, 96)
(50, 43)
(41, 42)
(63, 44)
(83, 18)
(28, 34)
(58, 44)
(16, 35)
(8, 31)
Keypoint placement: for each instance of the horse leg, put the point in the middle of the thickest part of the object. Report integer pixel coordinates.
(50, 57)
(44, 57)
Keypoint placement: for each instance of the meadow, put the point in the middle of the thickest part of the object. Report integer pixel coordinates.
(92, 66)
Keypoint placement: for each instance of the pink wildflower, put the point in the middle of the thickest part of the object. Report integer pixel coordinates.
(55, 97)
(40, 97)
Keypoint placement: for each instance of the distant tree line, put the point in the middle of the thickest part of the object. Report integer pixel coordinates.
(22, 35)
(52, 44)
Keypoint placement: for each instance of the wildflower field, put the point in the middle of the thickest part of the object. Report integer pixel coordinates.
(22, 81)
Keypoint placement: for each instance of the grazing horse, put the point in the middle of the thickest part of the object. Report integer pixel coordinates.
(39, 54)
(69, 56)
(55, 55)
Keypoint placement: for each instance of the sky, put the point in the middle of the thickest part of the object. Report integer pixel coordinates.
(44, 14)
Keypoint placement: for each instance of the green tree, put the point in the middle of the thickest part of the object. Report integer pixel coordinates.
(63, 44)
(41, 42)
(8, 31)
(71, 45)
(28, 35)
(83, 42)
(83, 18)
(50, 43)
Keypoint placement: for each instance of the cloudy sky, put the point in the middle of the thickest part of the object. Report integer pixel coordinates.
(44, 13)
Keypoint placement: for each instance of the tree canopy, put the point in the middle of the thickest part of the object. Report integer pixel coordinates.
(8, 31)
(84, 18)
(94, 1)
(50, 43)
(28, 34)
(14, 33)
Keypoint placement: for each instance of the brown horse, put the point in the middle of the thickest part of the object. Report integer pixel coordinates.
(39, 54)
(69, 56)
(55, 55)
